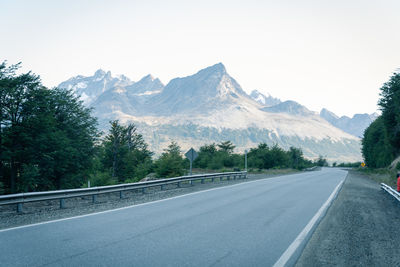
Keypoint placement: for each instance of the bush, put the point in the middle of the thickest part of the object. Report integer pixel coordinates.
(100, 179)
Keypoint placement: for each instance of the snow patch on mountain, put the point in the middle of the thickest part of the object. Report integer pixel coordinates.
(265, 100)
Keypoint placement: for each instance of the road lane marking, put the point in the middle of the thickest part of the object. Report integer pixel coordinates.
(283, 260)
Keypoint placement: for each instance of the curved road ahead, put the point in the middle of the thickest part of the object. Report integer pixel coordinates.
(247, 224)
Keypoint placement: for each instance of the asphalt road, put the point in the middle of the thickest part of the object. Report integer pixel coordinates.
(247, 224)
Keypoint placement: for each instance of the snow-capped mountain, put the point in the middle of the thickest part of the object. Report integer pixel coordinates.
(210, 106)
(355, 125)
(267, 101)
(148, 85)
(209, 89)
(89, 88)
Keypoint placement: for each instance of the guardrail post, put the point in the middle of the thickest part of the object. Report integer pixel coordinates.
(121, 194)
(202, 181)
(62, 203)
(212, 179)
(144, 190)
(94, 198)
(19, 207)
(191, 182)
(179, 184)
(228, 178)
(162, 187)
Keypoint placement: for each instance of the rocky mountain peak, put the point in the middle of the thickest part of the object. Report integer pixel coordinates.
(219, 67)
(289, 107)
(355, 125)
(265, 100)
(148, 78)
(99, 73)
(328, 115)
(217, 71)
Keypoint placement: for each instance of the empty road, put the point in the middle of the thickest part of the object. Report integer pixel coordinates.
(247, 224)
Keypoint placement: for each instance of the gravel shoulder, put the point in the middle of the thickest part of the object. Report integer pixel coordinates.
(360, 228)
(49, 210)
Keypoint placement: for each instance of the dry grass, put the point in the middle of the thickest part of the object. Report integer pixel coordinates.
(383, 175)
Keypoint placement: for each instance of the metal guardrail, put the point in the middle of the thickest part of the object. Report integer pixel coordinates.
(315, 168)
(391, 191)
(61, 195)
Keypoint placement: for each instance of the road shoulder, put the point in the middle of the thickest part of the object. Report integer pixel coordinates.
(359, 229)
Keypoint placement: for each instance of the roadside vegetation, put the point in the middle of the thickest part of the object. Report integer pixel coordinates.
(381, 142)
(49, 140)
(347, 164)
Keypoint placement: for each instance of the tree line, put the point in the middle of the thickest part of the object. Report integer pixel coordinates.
(381, 141)
(49, 141)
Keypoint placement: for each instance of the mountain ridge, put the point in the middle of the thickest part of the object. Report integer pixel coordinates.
(354, 125)
(210, 101)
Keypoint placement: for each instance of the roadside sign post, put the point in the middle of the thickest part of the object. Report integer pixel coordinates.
(191, 155)
(245, 160)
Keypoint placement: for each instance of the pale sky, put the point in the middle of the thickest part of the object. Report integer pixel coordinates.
(332, 54)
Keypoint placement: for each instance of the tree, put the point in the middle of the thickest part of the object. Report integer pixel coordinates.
(206, 157)
(46, 136)
(321, 161)
(260, 157)
(279, 157)
(381, 141)
(116, 148)
(226, 146)
(296, 160)
(170, 163)
(376, 148)
(125, 153)
(264, 157)
(215, 158)
(390, 106)
(14, 92)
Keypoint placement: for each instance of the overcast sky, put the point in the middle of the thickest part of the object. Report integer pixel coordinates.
(332, 54)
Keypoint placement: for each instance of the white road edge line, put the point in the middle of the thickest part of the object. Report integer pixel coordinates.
(302, 236)
(138, 205)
